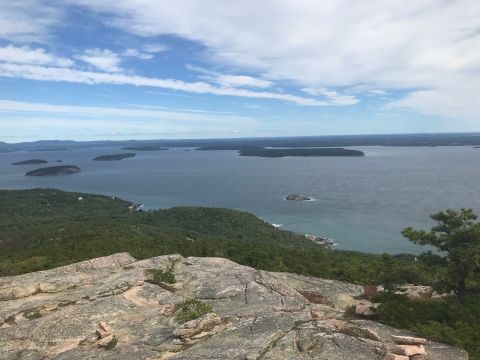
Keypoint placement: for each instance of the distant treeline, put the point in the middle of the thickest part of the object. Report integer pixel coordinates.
(446, 139)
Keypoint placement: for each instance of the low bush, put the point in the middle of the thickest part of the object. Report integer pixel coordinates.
(192, 309)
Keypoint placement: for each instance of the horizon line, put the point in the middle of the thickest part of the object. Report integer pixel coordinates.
(249, 137)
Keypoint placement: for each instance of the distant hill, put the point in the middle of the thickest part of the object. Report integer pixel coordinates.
(441, 139)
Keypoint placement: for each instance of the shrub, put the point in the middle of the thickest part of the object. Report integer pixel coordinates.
(448, 319)
(192, 309)
(112, 344)
(158, 276)
(32, 314)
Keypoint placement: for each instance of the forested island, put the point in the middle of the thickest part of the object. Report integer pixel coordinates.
(30, 162)
(145, 148)
(45, 228)
(262, 152)
(114, 157)
(54, 171)
(245, 150)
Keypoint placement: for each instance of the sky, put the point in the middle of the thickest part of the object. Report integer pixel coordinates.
(159, 69)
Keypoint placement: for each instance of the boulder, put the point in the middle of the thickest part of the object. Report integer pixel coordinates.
(408, 340)
(103, 330)
(106, 341)
(366, 309)
(168, 309)
(415, 291)
(194, 327)
(409, 350)
(317, 313)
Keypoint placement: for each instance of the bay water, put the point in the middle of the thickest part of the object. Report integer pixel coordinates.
(363, 203)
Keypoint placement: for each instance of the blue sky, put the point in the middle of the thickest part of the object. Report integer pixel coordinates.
(146, 69)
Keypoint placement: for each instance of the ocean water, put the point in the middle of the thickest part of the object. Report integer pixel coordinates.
(362, 203)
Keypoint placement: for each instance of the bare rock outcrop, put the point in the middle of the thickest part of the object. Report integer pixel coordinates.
(109, 308)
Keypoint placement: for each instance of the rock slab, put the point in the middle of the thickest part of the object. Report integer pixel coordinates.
(105, 309)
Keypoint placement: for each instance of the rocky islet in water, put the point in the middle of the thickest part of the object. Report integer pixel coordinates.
(296, 197)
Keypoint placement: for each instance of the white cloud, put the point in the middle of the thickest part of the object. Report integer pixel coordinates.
(377, 91)
(135, 53)
(23, 121)
(229, 80)
(41, 128)
(241, 81)
(28, 20)
(34, 72)
(138, 111)
(430, 46)
(459, 101)
(385, 44)
(154, 48)
(26, 55)
(102, 59)
(332, 97)
(255, 107)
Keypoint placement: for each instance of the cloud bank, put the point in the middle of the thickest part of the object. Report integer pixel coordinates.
(426, 47)
(428, 51)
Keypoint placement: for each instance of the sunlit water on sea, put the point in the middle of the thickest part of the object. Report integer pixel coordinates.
(362, 203)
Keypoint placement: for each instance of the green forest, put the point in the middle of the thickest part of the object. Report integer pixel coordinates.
(46, 228)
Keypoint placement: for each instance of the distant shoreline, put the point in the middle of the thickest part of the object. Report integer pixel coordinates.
(429, 140)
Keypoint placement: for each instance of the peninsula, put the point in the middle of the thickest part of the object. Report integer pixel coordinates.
(54, 171)
(114, 157)
(30, 162)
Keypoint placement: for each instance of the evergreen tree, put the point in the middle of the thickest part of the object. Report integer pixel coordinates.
(457, 237)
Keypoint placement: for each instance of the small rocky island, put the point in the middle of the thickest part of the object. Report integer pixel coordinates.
(296, 197)
(30, 162)
(54, 171)
(114, 157)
